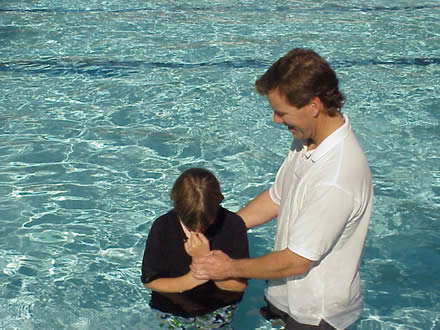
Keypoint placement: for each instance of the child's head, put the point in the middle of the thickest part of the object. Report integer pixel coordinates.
(196, 196)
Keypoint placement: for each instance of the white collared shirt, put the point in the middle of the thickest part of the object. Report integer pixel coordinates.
(325, 198)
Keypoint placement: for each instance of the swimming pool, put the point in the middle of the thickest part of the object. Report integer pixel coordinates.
(104, 103)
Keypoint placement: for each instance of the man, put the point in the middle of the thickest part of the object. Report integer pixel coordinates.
(322, 197)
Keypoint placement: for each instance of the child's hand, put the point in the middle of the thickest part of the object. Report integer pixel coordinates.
(197, 245)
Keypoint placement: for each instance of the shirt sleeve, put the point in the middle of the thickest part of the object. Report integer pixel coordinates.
(232, 239)
(241, 244)
(152, 256)
(321, 222)
(285, 170)
(235, 239)
(276, 188)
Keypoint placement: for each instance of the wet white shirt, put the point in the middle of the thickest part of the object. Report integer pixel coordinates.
(325, 197)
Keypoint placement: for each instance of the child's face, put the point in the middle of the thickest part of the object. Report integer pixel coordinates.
(196, 228)
(200, 228)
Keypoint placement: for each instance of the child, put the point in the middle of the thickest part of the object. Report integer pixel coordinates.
(196, 225)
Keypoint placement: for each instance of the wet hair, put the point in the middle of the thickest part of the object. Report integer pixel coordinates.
(196, 196)
(300, 76)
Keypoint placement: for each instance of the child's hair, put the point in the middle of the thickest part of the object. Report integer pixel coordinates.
(196, 196)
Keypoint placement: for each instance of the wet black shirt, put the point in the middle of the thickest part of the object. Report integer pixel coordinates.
(165, 256)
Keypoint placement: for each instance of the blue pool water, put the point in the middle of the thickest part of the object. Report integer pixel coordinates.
(104, 103)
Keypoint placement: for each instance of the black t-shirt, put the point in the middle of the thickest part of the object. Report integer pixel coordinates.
(165, 256)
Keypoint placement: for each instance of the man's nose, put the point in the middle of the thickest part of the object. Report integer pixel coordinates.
(277, 118)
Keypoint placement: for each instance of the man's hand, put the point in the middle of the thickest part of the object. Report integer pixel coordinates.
(217, 266)
(197, 245)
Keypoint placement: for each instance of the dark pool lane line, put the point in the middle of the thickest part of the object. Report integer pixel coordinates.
(243, 8)
(108, 68)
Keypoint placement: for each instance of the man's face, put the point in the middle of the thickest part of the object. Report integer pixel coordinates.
(299, 121)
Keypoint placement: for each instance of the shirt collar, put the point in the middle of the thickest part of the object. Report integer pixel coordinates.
(330, 141)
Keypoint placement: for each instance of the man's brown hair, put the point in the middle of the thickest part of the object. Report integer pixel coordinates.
(196, 197)
(301, 75)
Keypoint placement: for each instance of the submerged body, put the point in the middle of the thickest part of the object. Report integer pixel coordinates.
(165, 257)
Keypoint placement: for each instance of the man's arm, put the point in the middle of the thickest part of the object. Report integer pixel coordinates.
(197, 245)
(277, 264)
(259, 211)
(174, 284)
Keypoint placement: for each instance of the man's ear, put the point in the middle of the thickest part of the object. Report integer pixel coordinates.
(317, 106)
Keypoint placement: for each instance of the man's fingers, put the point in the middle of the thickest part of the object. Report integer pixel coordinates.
(198, 271)
(200, 276)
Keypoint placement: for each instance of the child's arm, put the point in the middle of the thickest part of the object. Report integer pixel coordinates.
(174, 284)
(231, 285)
